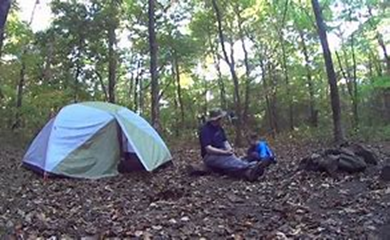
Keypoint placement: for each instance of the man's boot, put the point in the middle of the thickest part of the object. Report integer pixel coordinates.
(254, 172)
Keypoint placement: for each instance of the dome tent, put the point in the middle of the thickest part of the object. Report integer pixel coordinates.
(86, 140)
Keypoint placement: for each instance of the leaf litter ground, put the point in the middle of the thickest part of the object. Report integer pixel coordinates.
(169, 204)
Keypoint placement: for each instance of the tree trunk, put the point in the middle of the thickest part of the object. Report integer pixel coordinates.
(5, 5)
(273, 100)
(385, 92)
(112, 62)
(266, 97)
(155, 113)
(47, 72)
(177, 124)
(78, 69)
(385, 54)
(204, 95)
(21, 85)
(217, 62)
(141, 98)
(135, 100)
(381, 43)
(378, 65)
(131, 87)
(221, 83)
(134, 84)
(179, 90)
(76, 83)
(334, 92)
(370, 66)
(287, 82)
(355, 97)
(247, 67)
(313, 112)
(351, 83)
(100, 78)
(230, 62)
(19, 97)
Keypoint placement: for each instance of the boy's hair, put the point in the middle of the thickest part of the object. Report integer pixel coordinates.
(253, 136)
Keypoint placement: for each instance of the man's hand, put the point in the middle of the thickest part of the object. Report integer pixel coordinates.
(229, 151)
(219, 151)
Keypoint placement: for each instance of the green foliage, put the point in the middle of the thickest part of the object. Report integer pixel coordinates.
(69, 61)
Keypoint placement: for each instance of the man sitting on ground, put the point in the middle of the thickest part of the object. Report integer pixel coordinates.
(218, 154)
(259, 151)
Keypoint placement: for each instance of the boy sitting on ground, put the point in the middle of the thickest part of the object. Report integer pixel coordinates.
(259, 151)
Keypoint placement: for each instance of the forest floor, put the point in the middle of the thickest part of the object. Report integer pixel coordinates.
(171, 205)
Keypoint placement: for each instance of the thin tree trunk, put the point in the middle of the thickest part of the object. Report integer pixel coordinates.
(273, 101)
(216, 59)
(138, 91)
(206, 105)
(135, 100)
(133, 84)
(177, 123)
(21, 84)
(313, 112)
(381, 43)
(179, 90)
(155, 113)
(141, 98)
(378, 66)
(334, 92)
(287, 82)
(47, 72)
(112, 62)
(370, 66)
(232, 72)
(5, 5)
(355, 97)
(100, 78)
(351, 83)
(247, 67)
(385, 54)
(345, 76)
(266, 97)
(19, 97)
(279, 28)
(76, 83)
(78, 69)
(22, 77)
(220, 81)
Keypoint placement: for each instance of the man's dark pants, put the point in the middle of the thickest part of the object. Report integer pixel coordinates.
(227, 164)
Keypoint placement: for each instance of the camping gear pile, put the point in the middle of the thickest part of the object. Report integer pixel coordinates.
(350, 158)
(87, 140)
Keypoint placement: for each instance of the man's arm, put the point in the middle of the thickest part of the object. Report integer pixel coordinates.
(227, 145)
(212, 150)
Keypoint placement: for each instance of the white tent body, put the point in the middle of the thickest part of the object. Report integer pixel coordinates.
(86, 136)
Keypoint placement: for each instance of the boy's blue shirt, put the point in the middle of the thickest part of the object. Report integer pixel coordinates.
(263, 150)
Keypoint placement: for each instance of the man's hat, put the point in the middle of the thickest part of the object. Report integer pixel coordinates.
(216, 114)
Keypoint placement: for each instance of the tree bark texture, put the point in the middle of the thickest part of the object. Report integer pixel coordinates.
(334, 92)
(231, 64)
(179, 89)
(155, 111)
(112, 63)
(247, 67)
(5, 5)
(310, 85)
